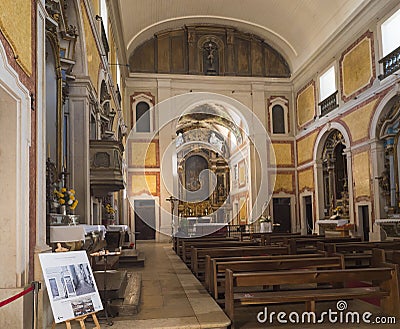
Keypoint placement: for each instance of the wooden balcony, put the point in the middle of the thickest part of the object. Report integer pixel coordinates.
(106, 173)
(391, 63)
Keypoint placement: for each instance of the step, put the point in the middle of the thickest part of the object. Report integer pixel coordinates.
(129, 304)
(131, 257)
(114, 281)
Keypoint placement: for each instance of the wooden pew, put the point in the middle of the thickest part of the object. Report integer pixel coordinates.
(281, 238)
(198, 255)
(179, 241)
(274, 263)
(187, 246)
(266, 236)
(357, 254)
(309, 245)
(209, 270)
(384, 286)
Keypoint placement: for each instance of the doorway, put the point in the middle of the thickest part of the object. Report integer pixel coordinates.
(308, 214)
(363, 215)
(282, 215)
(145, 219)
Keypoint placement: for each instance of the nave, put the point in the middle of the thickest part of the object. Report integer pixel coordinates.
(172, 297)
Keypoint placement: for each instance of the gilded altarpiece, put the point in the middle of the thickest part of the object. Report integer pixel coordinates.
(199, 194)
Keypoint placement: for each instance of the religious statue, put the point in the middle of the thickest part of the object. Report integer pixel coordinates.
(179, 140)
(221, 190)
(214, 140)
(210, 58)
(210, 48)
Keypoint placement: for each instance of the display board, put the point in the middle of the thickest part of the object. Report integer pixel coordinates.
(70, 284)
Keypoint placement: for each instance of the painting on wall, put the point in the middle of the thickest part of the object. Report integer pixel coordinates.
(243, 211)
(242, 173)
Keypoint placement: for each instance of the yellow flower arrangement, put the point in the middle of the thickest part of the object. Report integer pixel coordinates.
(109, 209)
(66, 197)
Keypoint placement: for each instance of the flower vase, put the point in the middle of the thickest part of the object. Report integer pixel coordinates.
(63, 210)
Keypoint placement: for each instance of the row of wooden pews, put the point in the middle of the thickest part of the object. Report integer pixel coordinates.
(254, 269)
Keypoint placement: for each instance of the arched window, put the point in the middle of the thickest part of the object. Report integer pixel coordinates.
(278, 114)
(142, 117)
(278, 120)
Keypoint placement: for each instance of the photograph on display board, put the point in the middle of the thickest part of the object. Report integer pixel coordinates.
(70, 284)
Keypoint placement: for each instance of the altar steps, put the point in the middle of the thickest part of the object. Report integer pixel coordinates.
(131, 258)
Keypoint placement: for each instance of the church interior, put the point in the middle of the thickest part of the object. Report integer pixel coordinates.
(172, 134)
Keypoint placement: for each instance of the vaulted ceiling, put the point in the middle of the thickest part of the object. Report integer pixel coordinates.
(296, 28)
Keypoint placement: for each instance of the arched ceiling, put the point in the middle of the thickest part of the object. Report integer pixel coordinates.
(296, 28)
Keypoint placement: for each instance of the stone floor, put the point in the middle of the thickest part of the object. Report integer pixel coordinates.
(171, 297)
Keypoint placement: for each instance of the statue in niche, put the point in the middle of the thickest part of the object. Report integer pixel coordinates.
(210, 58)
(179, 140)
(221, 190)
(214, 140)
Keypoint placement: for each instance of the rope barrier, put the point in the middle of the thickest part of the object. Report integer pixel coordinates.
(22, 293)
(35, 287)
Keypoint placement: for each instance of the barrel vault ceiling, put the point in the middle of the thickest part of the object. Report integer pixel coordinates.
(296, 28)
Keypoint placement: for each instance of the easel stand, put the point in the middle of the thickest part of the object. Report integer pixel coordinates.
(81, 320)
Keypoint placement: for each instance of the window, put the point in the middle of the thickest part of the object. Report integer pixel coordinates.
(104, 15)
(390, 34)
(278, 113)
(278, 119)
(327, 84)
(142, 117)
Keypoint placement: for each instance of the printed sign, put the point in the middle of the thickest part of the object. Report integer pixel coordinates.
(70, 284)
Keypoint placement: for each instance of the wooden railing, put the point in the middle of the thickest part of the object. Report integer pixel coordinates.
(391, 63)
(329, 104)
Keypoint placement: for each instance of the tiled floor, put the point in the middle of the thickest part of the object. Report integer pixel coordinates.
(172, 298)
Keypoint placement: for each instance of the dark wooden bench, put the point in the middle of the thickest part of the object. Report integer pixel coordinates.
(178, 241)
(198, 255)
(209, 276)
(384, 285)
(282, 238)
(187, 246)
(274, 263)
(265, 236)
(309, 245)
(357, 254)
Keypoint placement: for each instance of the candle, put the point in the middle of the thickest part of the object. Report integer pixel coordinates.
(48, 150)
(65, 162)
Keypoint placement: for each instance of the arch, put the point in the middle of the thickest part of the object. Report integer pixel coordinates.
(15, 141)
(74, 14)
(395, 91)
(323, 135)
(320, 143)
(384, 131)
